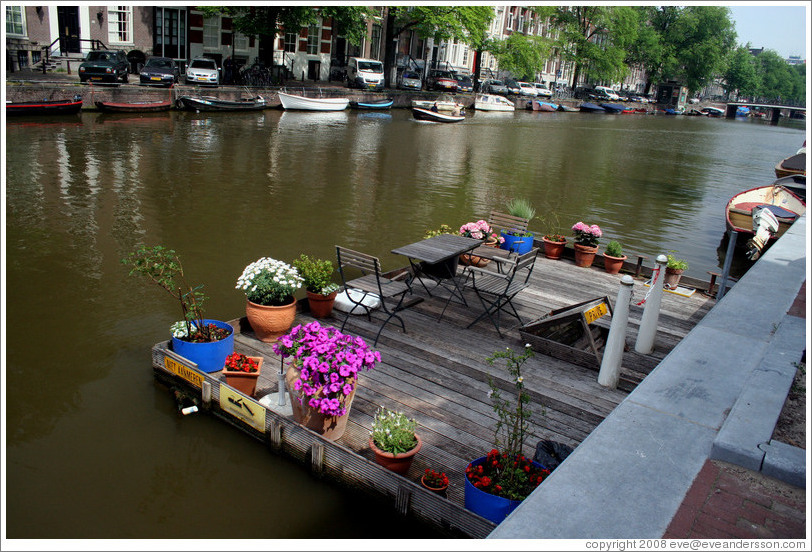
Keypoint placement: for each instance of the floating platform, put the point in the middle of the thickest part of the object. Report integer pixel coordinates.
(436, 372)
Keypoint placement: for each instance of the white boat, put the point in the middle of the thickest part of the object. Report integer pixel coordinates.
(291, 101)
(491, 102)
(443, 103)
(429, 115)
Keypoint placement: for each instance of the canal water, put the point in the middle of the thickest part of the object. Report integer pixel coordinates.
(95, 449)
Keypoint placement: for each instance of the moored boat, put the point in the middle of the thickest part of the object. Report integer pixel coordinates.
(794, 164)
(304, 103)
(781, 202)
(591, 108)
(436, 116)
(568, 109)
(443, 103)
(378, 104)
(493, 102)
(133, 107)
(45, 107)
(795, 183)
(538, 105)
(613, 108)
(209, 103)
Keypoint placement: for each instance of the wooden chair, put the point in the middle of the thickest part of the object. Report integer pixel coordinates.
(371, 282)
(501, 221)
(496, 290)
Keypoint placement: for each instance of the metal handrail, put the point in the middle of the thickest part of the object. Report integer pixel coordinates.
(48, 51)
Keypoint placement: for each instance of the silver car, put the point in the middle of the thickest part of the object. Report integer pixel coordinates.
(203, 71)
(410, 80)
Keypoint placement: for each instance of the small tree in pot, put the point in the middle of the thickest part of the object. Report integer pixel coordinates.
(321, 290)
(613, 257)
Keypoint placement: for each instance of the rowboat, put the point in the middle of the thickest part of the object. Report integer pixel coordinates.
(591, 108)
(45, 107)
(133, 107)
(436, 116)
(493, 102)
(208, 103)
(538, 105)
(782, 203)
(380, 104)
(303, 103)
(794, 164)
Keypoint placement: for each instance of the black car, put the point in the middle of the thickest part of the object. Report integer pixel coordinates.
(105, 66)
(160, 71)
(464, 83)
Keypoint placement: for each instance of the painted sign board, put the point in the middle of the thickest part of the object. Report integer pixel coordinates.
(247, 410)
(189, 374)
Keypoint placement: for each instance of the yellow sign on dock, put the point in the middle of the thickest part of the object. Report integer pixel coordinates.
(247, 410)
(595, 312)
(192, 376)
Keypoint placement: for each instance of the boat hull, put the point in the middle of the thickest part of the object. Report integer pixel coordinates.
(427, 115)
(784, 204)
(302, 103)
(45, 107)
(591, 108)
(795, 164)
(205, 103)
(382, 104)
(493, 103)
(133, 107)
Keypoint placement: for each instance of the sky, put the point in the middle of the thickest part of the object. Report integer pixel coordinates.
(779, 28)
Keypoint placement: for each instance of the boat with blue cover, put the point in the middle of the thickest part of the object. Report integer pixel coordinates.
(589, 107)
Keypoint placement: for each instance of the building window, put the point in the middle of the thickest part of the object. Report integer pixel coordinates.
(465, 56)
(211, 32)
(375, 42)
(290, 42)
(120, 24)
(510, 20)
(240, 42)
(15, 20)
(313, 39)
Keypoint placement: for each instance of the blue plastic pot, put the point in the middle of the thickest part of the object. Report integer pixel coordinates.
(209, 357)
(520, 245)
(491, 507)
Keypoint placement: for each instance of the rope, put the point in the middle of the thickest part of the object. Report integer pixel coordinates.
(655, 275)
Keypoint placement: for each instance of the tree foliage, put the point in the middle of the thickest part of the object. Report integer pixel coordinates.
(520, 54)
(741, 73)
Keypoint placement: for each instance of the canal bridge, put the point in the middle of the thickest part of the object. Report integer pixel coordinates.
(775, 110)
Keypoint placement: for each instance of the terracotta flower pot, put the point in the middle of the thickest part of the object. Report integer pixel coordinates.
(244, 382)
(613, 264)
(329, 427)
(553, 249)
(398, 463)
(672, 277)
(438, 490)
(270, 323)
(321, 306)
(584, 255)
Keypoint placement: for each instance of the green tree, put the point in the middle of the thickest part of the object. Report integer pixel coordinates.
(776, 77)
(596, 39)
(520, 54)
(740, 73)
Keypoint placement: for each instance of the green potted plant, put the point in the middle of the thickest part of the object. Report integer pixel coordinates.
(321, 290)
(613, 257)
(519, 207)
(586, 243)
(321, 398)
(205, 342)
(554, 242)
(242, 372)
(673, 271)
(479, 230)
(393, 440)
(496, 484)
(270, 307)
(518, 240)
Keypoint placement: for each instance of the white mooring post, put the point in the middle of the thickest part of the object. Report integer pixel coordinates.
(651, 312)
(613, 354)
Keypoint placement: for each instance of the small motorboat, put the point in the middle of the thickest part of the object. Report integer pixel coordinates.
(613, 108)
(589, 107)
(133, 107)
(379, 104)
(713, 111)
(303, 103)
(209, 103)
(493, 102)
(443, 103)
(436, 116)
(45, 107)
(794, 164)
(744, 213)
(538, 105)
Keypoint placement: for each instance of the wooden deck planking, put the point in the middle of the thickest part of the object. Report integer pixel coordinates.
(436, 372)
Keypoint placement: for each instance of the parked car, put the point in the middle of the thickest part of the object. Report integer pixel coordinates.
(160, 71)
(527, 89)
(410, 80)
(605, 93)
(513, 86)
(464, 83)
(105, 66)
(494, 86)
(441, 80)
(542, 91)
(203, 70)
(637, 98)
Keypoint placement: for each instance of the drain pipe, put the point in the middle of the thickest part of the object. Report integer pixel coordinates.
(615, 343)
(651, 312)
(731, 250)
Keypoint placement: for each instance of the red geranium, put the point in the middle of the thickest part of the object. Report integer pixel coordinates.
(238, 362)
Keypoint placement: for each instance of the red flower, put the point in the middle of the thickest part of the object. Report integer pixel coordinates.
(486, 481)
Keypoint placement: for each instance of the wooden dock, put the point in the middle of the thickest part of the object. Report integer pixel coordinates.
(436, 372)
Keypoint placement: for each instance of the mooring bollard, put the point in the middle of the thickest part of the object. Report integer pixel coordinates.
(615, 343)
(651, 312)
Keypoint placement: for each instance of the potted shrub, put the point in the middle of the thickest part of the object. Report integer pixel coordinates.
(496, 484)
(322, 375)
(393, 440)
(673, 271)
(270, 307)
(613, 257)
(519, 241)
(586, 243)
(554, 244)
(434, 481)
(205, 342)
(479, 230)
(321, 290)
(242, 371)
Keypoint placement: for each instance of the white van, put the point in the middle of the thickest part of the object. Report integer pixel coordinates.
(608, 92)
(365, 73)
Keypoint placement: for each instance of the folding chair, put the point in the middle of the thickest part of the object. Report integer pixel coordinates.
(496, 290)
(501, 221)
(371, 282)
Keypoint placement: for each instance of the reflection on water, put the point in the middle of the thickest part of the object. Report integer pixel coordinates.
(226, 189)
